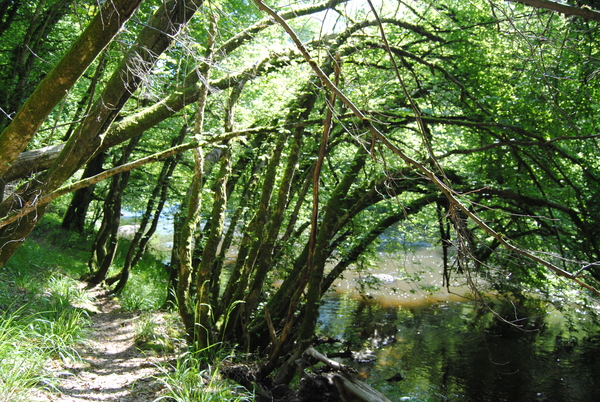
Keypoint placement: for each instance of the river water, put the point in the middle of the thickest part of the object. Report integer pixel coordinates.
(414, 340)
(416, 343)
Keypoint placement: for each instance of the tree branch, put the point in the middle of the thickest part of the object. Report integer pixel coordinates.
(116, 170)
(583, 12)
(450, 194)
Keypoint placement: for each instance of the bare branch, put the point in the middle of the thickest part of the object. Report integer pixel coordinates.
(450, 194)
(583, 12)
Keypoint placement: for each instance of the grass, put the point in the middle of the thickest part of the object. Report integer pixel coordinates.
(19, 370)
(146, 289)
(38, 321)
(195, 377)
(32, 336)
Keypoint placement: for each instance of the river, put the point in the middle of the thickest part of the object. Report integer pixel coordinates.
(414, 341)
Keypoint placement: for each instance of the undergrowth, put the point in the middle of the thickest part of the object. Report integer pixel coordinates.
(195, 377)
(39, 322)
(146, 289)
(42, 320)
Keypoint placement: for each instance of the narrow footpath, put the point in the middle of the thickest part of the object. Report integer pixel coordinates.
(112, 368)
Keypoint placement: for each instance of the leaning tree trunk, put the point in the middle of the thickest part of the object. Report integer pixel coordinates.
(140, 240)
(252, 241)
(152, 41)
(249, 188)
(185, 300)
(74, 218)
(297, 279)
(210, 259)
(258, 243)
(105, 245)
(193, 309)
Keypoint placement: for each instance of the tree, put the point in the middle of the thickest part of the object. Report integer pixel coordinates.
(53, 88)
(471, 117)
(86, 141)
(25, 31)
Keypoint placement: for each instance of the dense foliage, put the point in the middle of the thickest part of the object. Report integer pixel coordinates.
(475, 118)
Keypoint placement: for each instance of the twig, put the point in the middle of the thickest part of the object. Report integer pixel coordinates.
(450, 194)
(111, 172)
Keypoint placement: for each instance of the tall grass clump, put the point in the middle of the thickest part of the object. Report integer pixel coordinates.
(29, 341)
(162, 333)
(196, 377)
(39, 320)
(19, 368)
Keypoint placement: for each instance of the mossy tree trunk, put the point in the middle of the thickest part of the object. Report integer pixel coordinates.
(87, 139)
(193, 297)
(105, 244)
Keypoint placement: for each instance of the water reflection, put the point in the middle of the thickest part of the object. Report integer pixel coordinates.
(445, 350)
(162, 239)
(413, 278)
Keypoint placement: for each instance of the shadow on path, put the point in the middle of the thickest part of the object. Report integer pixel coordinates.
(112, 368)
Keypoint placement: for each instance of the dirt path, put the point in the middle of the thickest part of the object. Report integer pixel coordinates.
(112, 367)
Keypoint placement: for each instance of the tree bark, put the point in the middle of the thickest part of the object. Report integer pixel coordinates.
(88, 138)
(252, 241)
(210, 266)
(63, 76)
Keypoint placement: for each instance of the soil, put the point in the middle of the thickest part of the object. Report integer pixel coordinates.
(112, 367)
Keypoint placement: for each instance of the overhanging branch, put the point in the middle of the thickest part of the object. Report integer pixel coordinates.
(583, 12)
(116, 170)
(448, 192)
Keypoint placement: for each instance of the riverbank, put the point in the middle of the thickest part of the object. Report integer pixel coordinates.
(404, 337)
(61, 342)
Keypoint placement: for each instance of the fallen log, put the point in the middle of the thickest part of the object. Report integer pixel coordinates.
(351, 389)
(33, 161)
